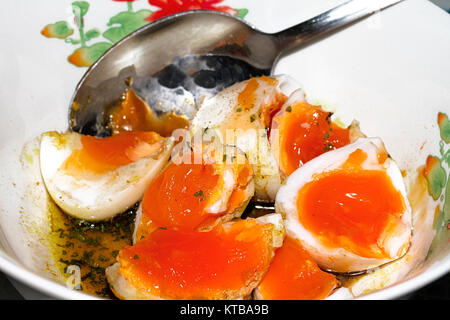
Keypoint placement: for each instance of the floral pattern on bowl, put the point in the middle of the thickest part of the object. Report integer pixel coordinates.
(120, 25)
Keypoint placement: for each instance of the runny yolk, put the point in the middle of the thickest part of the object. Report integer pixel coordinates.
(294, 275)
(351, 208)
(194, 196)
(99, 155)
(133, 114)
(305, 132)
(178, 196)
(199, 265)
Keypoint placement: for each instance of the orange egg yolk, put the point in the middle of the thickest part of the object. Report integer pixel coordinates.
(199, 265)
(179, 197)
(351, 208)
(294, 275)
(305, 132)
(133, 114)
(100, 155)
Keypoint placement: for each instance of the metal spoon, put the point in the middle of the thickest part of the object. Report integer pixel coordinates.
(174, 62)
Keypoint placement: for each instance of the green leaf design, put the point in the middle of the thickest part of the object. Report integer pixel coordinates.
(125, 23)
(114, 34)
(72, 41)
(241, 13)
(95, 51)
(91, 34)
(439, 187)
(447, 201)
(60, 29)
(86, 56)
(444, 126)
(80, 8)
(435, 176)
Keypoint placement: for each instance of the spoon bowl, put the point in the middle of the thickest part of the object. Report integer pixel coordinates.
(175, 62)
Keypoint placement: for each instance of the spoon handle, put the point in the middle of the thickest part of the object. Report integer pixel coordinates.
(328, 21)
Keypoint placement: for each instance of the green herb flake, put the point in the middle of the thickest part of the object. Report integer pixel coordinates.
(328, 117)
(200, 194)
(103, 258)
(289, 109)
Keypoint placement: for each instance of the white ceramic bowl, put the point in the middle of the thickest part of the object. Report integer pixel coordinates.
(391, 72)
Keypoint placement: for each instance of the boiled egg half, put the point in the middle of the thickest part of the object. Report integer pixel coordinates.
(225, 262)
(240, 115)
(348, 207)
(196, 193)
(301, 131)
(96, 178)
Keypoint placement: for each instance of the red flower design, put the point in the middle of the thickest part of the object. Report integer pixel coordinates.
(168, 7)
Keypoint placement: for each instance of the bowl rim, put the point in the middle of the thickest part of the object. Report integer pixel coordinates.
(59, 291)
(40, 283)
(409, 285)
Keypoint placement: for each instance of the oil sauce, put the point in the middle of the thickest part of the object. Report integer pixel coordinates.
(90, 246)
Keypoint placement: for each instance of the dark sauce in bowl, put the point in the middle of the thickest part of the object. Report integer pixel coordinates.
(91, 247)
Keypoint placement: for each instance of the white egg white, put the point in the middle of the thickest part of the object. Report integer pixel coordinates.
(101, 196)
(339, 259)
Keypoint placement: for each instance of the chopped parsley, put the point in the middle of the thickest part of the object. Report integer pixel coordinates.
(200, 194)
(328, 117)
